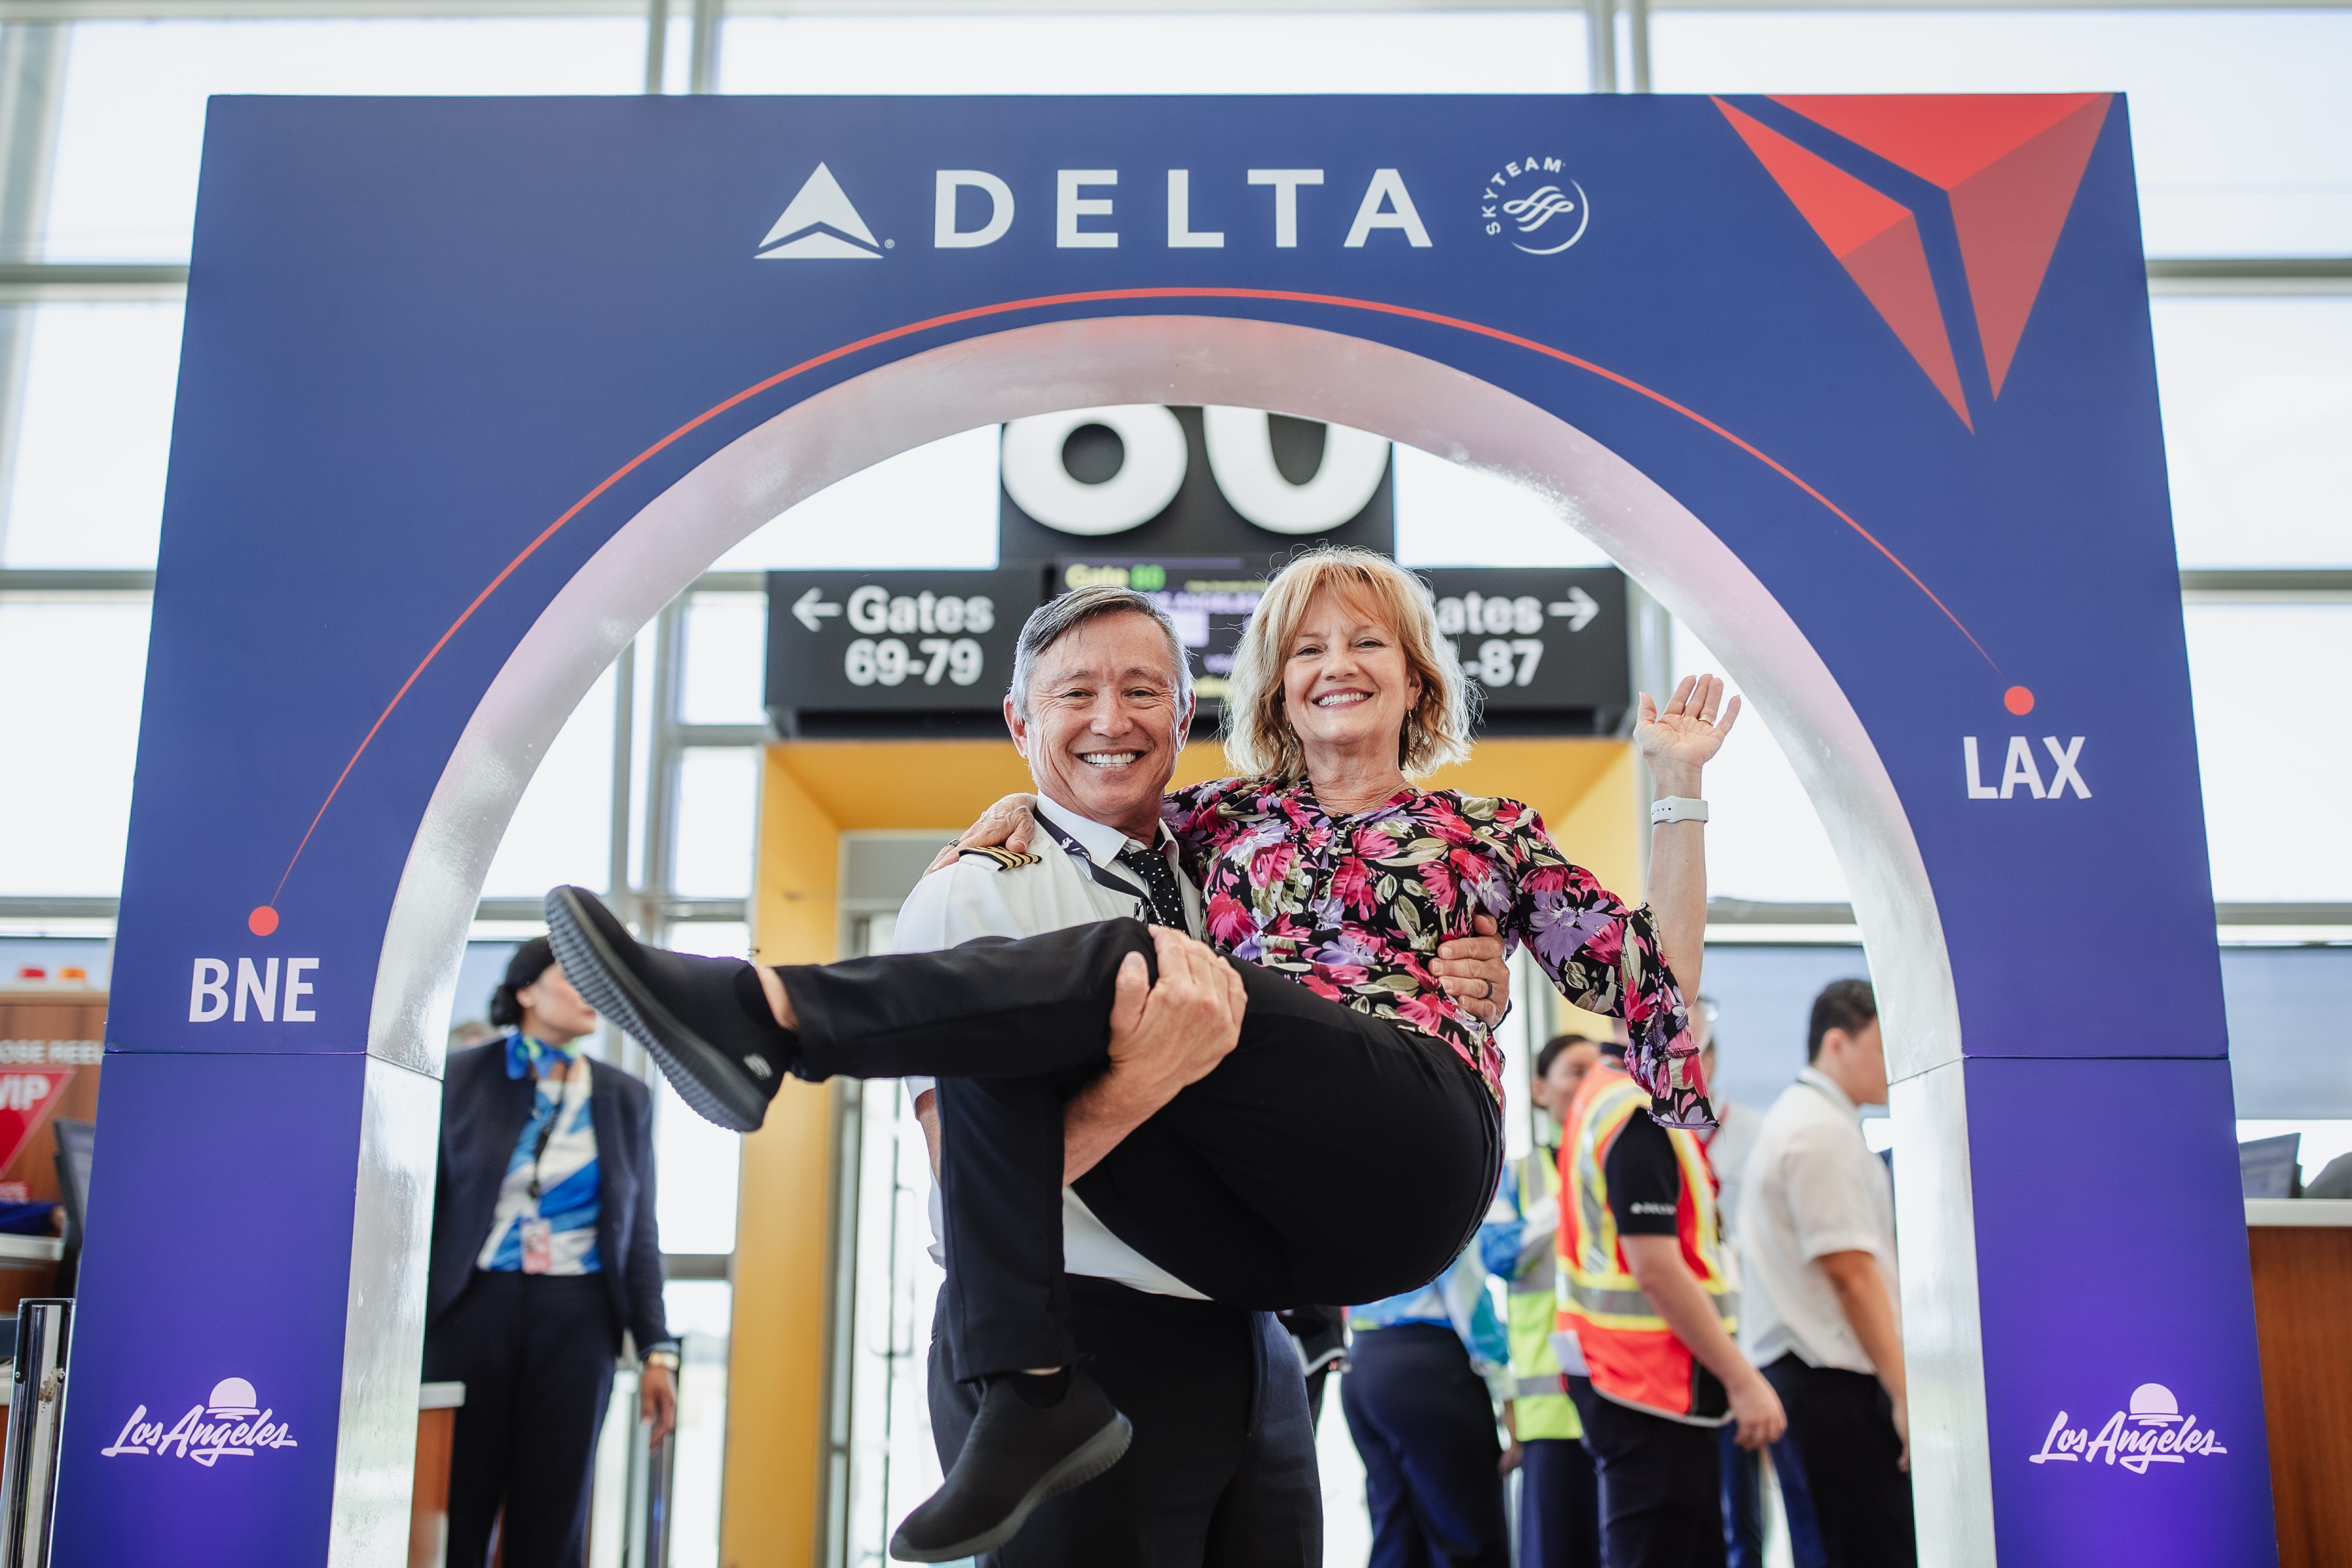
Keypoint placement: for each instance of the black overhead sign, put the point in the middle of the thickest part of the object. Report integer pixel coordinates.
(875, 653)
(1195, 508)
(1208, 598)
(871, 654)
(1545, 646)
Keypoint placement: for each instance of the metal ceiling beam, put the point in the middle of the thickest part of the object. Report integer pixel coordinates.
(34, 283)
(173, 10)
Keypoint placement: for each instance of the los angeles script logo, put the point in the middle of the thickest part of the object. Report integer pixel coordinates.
(230, 1425)
(2152, 1432)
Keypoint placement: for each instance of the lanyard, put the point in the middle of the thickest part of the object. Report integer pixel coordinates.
(546, 1130)
(1077, 851)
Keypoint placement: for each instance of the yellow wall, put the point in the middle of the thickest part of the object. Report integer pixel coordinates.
(776, 1352)
(813, 793)
(1603, 833)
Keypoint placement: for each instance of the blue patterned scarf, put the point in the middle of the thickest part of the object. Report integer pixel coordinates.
(524, 1054)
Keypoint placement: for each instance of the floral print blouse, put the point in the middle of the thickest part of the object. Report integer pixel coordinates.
(1354, 907)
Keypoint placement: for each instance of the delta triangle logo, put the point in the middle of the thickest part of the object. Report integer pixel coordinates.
(2008, 168)
(821, 225)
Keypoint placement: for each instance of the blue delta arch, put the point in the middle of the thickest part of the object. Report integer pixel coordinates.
(497, 379)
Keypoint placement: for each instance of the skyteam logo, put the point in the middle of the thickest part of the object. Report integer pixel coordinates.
(231, 1424)
(821, 225)
(1535, 204)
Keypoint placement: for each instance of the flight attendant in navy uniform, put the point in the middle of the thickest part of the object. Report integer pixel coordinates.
(544, 1251)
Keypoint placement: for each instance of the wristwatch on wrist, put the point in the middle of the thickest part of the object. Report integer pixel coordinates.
(1676, 809)
(665, 1359)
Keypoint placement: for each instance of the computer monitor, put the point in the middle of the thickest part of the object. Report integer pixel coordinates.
(75, 1142)
(2268, 1167)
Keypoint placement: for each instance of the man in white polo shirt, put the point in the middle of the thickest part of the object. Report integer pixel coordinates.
(1222, 1470)
(1823, 1317)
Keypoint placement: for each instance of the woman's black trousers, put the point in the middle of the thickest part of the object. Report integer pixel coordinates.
(1332, 1156)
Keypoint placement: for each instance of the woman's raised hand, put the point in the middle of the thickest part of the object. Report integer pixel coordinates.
(1010, 822)
(1676, 742)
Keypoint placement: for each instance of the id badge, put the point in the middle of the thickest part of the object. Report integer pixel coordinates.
(537, 1246)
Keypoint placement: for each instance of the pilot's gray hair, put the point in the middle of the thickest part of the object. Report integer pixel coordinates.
(1057, 618)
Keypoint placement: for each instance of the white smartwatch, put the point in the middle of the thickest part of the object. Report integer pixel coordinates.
(1676, 809)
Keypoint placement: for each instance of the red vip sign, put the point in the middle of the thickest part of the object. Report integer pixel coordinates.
(27, 1098)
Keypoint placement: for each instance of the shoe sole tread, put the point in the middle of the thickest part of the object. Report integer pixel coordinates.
(606, 983)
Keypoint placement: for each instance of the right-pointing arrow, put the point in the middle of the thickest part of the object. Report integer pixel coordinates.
(1579, 607)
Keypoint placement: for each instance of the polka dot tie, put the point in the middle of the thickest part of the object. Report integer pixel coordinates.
(1164, 899)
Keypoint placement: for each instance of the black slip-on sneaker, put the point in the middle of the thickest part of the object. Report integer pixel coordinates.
(688, 1011)
(1016, 1455)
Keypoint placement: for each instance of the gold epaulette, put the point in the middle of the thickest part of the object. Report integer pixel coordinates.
(1005, 860)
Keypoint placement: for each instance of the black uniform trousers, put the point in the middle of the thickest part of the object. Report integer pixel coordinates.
(1743, 1499)
(1392, 1132)
(535, 1353)
(1220, 1473)
(1424, 1425)
(1560, 1505)
(1843, 1426)
(1661, 1485)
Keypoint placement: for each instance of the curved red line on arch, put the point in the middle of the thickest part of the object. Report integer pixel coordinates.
(1093, 296)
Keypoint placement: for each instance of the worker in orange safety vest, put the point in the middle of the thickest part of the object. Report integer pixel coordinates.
(1649, 1302)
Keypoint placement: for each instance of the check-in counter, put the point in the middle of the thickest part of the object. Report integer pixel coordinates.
(29, 1251)
(2302, 1252)
(428, 1511)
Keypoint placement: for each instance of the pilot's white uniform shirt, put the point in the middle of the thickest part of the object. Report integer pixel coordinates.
(975, 897)
(1814, 1188)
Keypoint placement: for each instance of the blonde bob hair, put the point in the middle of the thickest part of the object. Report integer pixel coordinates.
(1259, 740)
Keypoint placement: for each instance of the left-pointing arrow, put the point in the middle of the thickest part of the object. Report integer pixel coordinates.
(810, 608)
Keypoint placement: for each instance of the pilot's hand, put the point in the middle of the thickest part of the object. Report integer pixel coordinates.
(1475, 973)
(1165, 1036)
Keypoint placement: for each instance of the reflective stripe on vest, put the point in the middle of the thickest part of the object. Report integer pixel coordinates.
(1629, 1354)
(1542, 1408)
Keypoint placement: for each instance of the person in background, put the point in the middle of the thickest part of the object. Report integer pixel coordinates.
(1425, 1371)
(473, 1031)
(1560, 1501)
(1726, 1157)
(1817, 1233)
(544, 1251)
(1728, 1149)
(1648, 1306)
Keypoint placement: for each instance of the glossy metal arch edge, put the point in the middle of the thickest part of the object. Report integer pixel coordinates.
(383, 1316)
(1298, 371)
(1943, 1339)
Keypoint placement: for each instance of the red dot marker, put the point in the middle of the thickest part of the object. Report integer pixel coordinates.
(2018, 700)
(262, 921)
